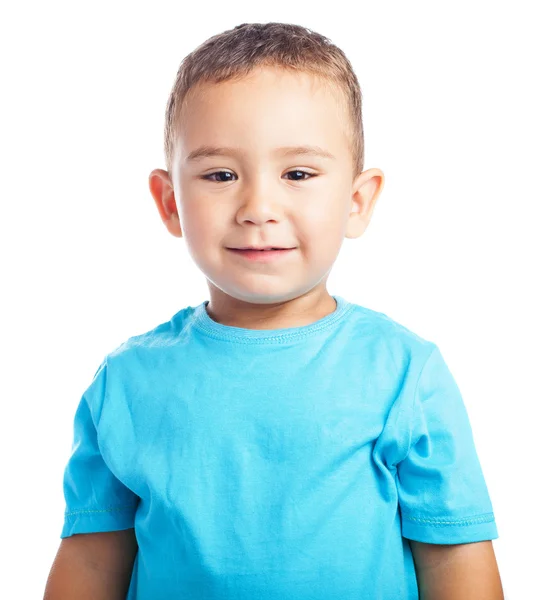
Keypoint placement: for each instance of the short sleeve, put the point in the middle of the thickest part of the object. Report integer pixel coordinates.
(443, 496)
(96, 500)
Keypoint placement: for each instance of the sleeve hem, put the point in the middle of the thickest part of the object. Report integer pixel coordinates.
(445, 531)
(96, 521)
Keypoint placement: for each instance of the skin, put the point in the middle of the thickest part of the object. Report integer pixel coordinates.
(261, 202)
(93, 566)
(457, 571)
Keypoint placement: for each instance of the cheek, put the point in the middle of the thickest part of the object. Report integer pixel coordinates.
(323, 224)
(199, 223)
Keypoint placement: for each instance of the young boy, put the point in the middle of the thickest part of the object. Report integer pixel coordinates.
(275, 441)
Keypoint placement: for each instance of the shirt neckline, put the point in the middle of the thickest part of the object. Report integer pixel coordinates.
(204, 323)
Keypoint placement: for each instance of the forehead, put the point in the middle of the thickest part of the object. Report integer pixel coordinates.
(268, 108)
(267, 83)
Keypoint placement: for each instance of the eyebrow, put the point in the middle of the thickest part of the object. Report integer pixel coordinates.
(207, 151)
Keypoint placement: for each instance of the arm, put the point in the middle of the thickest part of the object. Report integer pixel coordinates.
(457, 571)
(93, 566)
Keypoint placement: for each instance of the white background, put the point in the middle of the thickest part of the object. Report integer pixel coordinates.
(460, 112)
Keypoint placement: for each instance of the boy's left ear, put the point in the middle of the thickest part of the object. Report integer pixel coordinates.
(366, 190)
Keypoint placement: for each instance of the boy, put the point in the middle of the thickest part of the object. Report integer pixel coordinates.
(275, 441)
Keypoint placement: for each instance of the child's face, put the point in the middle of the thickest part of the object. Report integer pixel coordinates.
(257, 196)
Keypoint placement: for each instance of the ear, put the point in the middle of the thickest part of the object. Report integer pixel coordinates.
(160, 185)
(366, 190)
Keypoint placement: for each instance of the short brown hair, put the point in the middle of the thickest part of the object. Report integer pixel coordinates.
(232, 54)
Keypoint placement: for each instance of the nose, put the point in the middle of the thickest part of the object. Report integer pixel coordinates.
(258, 201)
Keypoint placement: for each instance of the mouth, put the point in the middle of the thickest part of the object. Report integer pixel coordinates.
(261, 254)
(253, 248)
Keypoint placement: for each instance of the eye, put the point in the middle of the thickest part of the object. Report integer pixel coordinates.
(208, 177)
(310, 175)
(219, 173)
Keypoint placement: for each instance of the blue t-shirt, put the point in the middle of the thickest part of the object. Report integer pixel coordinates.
(288, 463)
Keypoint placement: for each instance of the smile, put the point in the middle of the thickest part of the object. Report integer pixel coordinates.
(262, 255)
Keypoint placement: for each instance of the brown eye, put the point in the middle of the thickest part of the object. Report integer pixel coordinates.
(218, 173)
(298, 171)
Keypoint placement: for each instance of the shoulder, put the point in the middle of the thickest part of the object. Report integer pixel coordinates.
(385, 335)
(143, 353)
(163, 335)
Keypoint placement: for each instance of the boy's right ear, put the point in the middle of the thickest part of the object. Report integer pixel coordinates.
(160, 185)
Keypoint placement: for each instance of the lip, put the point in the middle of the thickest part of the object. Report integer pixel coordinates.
(262, 255)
